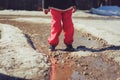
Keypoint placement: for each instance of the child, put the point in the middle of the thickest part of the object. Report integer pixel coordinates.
(61, 14)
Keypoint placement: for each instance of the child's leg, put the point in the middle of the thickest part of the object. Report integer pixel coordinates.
(68, 27)
(56, 27)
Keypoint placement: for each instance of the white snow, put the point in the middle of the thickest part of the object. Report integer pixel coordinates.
(17, 57)
(40, 13)
(11, 34)
(102, 28)
(108, 30)
(23, 12)
(107, 11)
(105, 29)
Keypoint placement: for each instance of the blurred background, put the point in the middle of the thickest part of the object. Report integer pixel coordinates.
(37, 4)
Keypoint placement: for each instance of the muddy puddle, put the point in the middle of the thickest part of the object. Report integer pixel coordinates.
(67, 67)
(98, 67)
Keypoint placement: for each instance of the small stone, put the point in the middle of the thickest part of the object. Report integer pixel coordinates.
(118, 78)
(85, 68)
(85, 73)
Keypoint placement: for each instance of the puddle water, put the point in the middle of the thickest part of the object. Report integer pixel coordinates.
(85, 68)
(66, 67)
(61, 69)
(77, 76)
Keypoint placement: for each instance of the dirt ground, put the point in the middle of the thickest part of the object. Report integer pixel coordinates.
(64, 66)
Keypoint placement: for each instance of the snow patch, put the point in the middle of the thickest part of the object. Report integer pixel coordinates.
(107, 11)
(11, 34)
(106, 29)
(18, 58)
(22, 12)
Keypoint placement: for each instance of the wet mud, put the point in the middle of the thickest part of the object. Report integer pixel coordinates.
(67, 67)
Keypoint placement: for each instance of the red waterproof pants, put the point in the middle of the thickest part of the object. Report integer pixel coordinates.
(61, 20)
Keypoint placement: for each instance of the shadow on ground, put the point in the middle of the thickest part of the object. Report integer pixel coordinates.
(30, 41)
(7, 77)
(84, 48)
